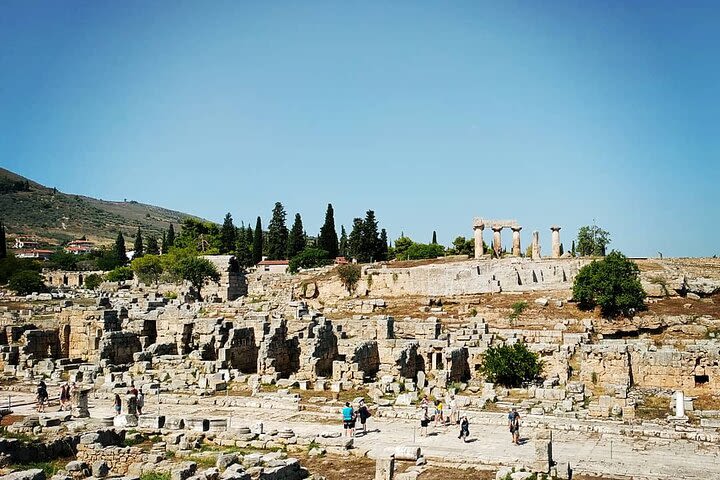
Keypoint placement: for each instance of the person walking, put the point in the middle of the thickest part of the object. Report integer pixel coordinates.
(140, 402)
(464, 429)
(118, 404)
(439, 419)
(514, 424)
(424, 418)
(64, 397)
(348, 420)
(41, 396)
(363, 413)
(453, 414)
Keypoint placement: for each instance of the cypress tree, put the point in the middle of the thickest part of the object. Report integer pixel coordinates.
(572, 250)
(242, 249)
(383, 248)
(138, 246)
(343, 244)
(369, 240)
(228, 235)
(355, 239)
(152, 245)
(277, 234)
(3, 245)
(328, 239)
(119, 250)
(434, 239)
(171, 236)
(296, 240)
(163, 245)
(257, 245)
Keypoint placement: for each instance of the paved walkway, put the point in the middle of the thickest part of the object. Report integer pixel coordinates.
(611, 455)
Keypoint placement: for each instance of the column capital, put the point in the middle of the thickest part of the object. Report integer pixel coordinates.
(479, 227)
(516, 228)
(497, 228)
(555, 228)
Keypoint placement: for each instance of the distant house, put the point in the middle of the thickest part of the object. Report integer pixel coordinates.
(34, 253)
(79, 247)
(26, 243)
(273, 266)
(341, 261)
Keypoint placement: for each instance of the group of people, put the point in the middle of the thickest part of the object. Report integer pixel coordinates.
(139, 400)
(350, 416)
(454, 418)
(42, 397)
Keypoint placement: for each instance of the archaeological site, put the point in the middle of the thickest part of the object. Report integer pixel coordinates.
(251, 382)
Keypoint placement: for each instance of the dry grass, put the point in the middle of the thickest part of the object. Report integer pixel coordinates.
(707, 401)
(654, 407)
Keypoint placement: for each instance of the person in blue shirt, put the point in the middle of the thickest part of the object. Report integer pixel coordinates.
(348, 414)
(514, 424)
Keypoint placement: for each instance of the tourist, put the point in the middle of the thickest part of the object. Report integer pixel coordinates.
(132, 390)
(364, 413)
(140, 402)
(64, 397)
(454, 415)
(464, 429)
(348, 420)
(424, 417)
(73, 391)
(41, 396)
(118, 404)
(439, 419)
(514, 424)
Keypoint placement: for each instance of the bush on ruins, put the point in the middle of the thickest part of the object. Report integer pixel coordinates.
(511, 365)
(93, 281)
(613, 283)
(26, 282)
(349, 276)
(120, 274)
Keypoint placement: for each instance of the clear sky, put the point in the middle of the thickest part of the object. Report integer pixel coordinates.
(429, 113)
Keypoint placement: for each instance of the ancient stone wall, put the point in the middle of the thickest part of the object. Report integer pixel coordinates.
(81, 329)
(240, 350)
(40, 344)
(278, 354)
(117, 347)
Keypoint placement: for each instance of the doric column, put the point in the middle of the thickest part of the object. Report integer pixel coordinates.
(516, 250)
(536, 245)
(497, 241)
(478, 232)
(555, 241)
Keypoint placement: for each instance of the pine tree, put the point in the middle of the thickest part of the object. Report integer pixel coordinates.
(343, 244)
(138, 246)
(328, 239)
(355, 239)
(3, 245)
(383, 249)
(257, 246)
(228, 235)
(434, 239)
(170, 237)
(152, 245)
(119, 250)
(277, 234)
(296, 240)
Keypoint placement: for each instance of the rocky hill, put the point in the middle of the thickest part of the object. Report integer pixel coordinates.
(28, 208)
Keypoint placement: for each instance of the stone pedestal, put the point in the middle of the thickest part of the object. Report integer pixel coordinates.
(536, 245)
(516, 249)
(679, 416)
(555, 241)
(131, 404)
(478, 232)
(80, 403)
(497, 241)
(125, 420)
(385, 468)
(543, 452)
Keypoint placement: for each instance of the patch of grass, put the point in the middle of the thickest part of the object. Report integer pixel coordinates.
(23, 437)
(50, 468)
(155, 476)
(517, 309)
(653, 407)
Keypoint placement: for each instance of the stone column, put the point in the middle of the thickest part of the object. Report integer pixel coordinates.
(497, 241)
(679, 404)
(385, 468)
(516, 250)
(536, 245)
(478, 232)
(80, 403)
(555, 241)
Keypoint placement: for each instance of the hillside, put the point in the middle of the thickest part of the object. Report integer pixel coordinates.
(28, 208)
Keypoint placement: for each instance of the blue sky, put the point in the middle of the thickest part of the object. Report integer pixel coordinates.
(429, 113)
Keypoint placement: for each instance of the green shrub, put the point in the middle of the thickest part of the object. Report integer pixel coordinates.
(510, 365)
(93, 281)
(26, 281)
(418, 251)
(517, 309)
(309, 258)
(613, 283)
(120, 274)
(349, 276)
